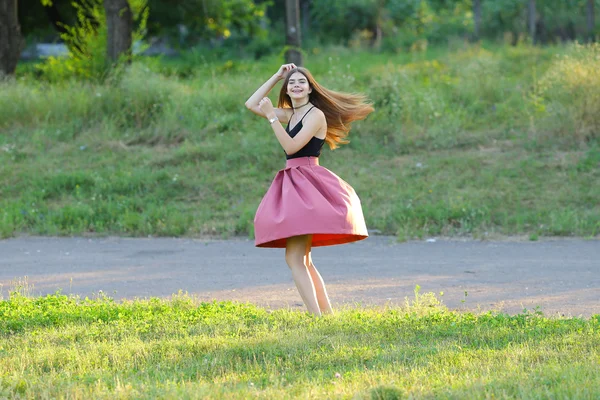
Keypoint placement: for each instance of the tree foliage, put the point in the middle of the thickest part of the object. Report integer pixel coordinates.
(196, 20)
(402, 21)
(407, 21)
(86, 40)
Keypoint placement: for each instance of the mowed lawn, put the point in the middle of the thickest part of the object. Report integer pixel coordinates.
(64, 347)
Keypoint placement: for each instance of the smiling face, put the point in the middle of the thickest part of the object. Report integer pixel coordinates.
(298, 87)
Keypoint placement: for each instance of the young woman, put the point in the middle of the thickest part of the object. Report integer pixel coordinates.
(307, 205)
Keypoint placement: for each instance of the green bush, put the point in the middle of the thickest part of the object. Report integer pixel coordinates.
(568, 95)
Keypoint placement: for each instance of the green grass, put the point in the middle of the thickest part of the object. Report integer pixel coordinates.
(61, 346)
(477, 141)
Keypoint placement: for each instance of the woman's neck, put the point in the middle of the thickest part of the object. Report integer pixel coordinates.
(300, 104)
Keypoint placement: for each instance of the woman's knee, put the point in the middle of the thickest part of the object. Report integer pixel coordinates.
(295, 251)
(294, 258)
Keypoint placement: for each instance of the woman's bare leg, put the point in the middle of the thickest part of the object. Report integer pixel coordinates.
(295, 253)
(320, 291)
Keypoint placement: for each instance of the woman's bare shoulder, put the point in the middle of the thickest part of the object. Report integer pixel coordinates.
(316, 115)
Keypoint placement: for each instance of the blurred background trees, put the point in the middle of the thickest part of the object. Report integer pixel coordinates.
(254, 28)
(193, 22)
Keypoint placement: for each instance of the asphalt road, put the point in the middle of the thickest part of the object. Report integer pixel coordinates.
(558, 276)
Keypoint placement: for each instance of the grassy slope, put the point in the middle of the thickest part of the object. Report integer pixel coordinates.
(60, 346)
(460, 144)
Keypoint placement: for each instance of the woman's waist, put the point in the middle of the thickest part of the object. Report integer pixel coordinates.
(300, 161)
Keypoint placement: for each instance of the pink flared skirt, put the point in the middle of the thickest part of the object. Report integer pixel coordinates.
(307, 199)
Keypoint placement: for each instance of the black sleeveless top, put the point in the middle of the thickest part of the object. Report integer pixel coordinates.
(312, 148)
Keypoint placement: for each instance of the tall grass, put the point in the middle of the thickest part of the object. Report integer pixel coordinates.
(476, 141)
(570, 90)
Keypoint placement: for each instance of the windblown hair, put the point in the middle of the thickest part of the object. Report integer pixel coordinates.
(340, 109)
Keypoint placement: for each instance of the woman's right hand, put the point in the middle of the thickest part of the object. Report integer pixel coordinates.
(284, 69)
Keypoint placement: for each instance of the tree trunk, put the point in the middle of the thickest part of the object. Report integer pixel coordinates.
(119, 24)
(377, 36)
(305, 14)
(292, 11)
(477, 18)
(531, 14)
(591, 24)
(10, 37)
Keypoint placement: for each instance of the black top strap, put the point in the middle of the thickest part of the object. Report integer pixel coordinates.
(306, 113)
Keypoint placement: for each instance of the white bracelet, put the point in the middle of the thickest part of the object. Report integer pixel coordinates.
(273, 120)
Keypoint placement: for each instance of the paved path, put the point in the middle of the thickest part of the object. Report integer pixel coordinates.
(560, 276)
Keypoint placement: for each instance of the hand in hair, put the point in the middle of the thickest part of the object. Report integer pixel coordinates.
(285, 68)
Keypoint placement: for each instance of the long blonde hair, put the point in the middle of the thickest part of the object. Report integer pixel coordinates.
(340, 109)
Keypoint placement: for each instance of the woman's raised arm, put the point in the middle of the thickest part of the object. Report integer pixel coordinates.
(263, 91)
